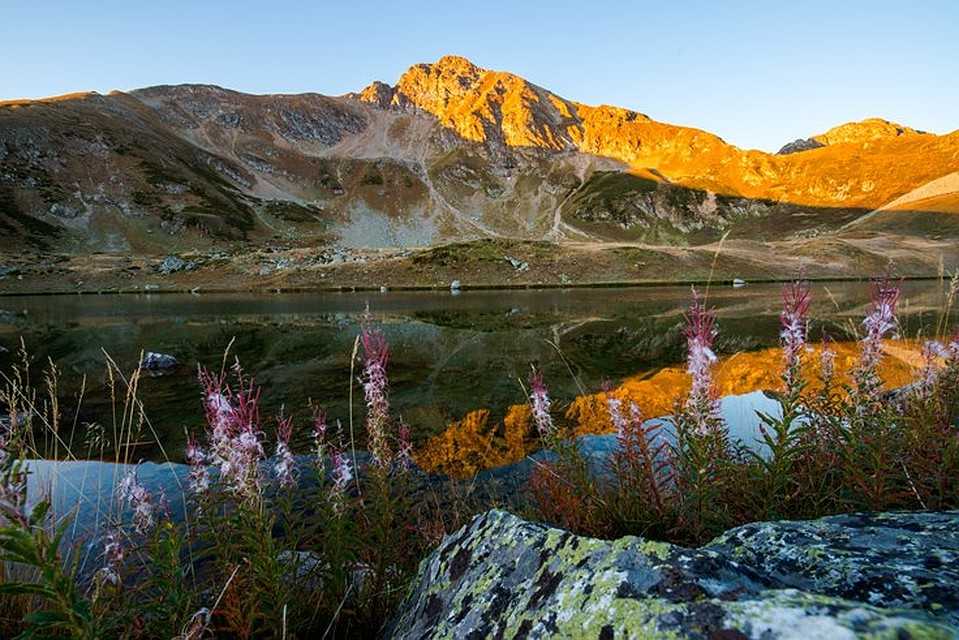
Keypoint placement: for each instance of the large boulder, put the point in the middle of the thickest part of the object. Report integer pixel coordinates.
(887, 559)
(503, 577)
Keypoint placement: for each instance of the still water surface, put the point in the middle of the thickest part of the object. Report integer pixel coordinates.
(450, 354)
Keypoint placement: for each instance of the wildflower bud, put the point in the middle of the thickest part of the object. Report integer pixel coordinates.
(794, 321)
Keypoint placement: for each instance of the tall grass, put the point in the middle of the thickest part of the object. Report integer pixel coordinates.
(272, 546)
(325, 544)
(843, 447)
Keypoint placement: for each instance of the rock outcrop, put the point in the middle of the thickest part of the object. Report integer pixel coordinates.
(801, 144)
(886, 575)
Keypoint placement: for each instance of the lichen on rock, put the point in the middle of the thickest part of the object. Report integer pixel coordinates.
(504, 577)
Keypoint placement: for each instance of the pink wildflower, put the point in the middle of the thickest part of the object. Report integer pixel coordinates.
(140, 500)
(951, 355)
(630, 429)
(113, 556)
(701, 405)
(376, 355)
(234, 429)
(284, 466)
(794, 321)
(342, 475)
(319, 440)
(615, 407)
(404, 454)
(196, 457)
(827, 363)
(932, 351)
(880, 322)
(540, 405)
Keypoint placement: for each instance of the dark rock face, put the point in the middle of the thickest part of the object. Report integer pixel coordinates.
(507, 578)
(802, 144)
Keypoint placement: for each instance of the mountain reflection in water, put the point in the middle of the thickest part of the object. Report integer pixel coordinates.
(457, 363)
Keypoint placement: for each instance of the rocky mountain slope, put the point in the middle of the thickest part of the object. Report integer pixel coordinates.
(450, 152)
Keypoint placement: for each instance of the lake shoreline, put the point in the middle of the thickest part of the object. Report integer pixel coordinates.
(530, 286)
(479, 265)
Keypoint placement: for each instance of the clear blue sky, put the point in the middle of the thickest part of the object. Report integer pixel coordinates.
(759, 74)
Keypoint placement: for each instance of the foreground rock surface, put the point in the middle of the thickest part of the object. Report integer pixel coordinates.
(886, 575)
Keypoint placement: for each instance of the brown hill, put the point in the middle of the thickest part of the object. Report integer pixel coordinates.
(451, 152)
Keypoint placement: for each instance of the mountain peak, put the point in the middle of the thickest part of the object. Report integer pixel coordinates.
(378, 93)
(865, 131)
(457, 64)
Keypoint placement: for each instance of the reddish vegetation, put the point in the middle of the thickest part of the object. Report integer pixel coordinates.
(836, 447)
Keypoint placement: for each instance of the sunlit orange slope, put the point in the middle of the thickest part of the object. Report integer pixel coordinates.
(863, 164)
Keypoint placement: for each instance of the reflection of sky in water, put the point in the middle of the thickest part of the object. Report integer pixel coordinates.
(451, 355)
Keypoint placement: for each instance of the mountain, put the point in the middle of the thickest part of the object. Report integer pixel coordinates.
(450, 152)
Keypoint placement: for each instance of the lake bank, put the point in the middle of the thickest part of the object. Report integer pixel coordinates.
(478, 265)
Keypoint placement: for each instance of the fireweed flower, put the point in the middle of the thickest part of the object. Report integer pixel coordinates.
(629, 430)
(342, 475)
(140, 500)
(932, 351)
(319, 440)
(404, 455)
(540, 405)
(196, 457)
(284, 465)
(795, 323)
(233, 424)
(112, 556)
(376, 355)
(615, 407)
(241, 466)
(880, 322)
(827, 363)
(701, 405)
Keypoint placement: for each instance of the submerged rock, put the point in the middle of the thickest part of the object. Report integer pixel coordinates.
(507, 578)
(158, 362)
